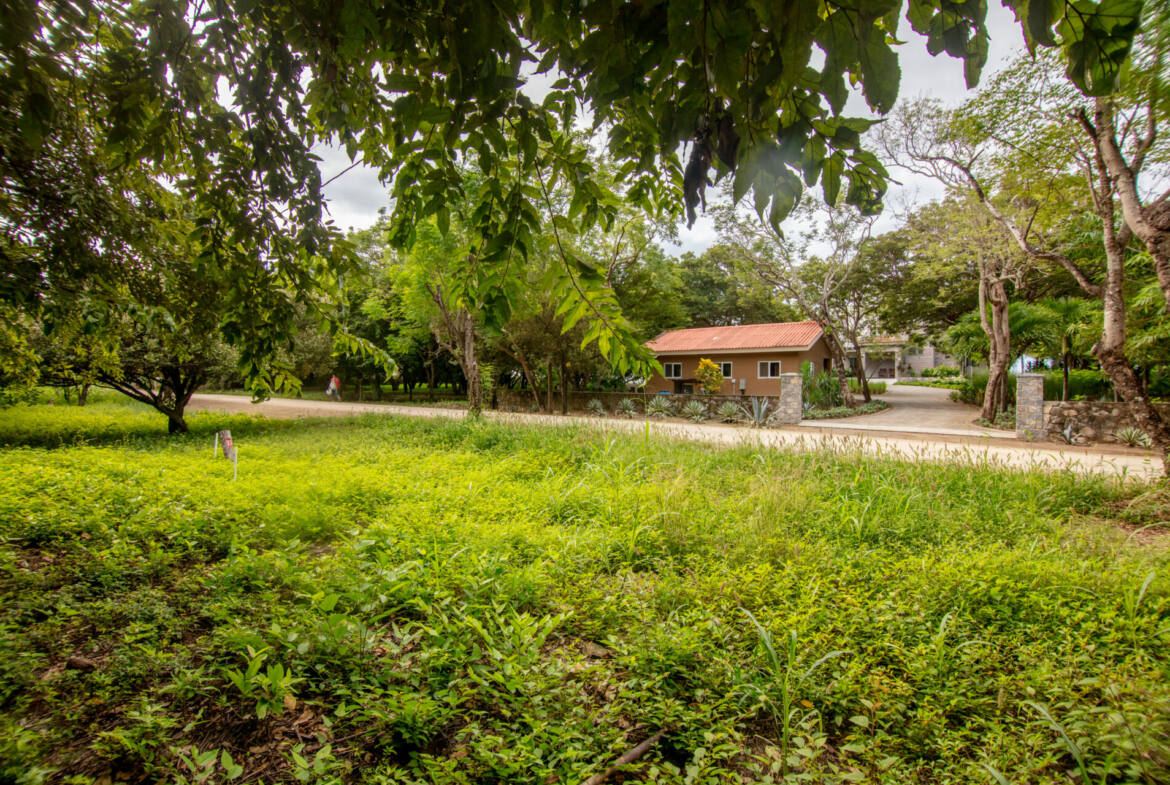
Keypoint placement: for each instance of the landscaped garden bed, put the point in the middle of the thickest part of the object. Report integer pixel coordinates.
(838, 412)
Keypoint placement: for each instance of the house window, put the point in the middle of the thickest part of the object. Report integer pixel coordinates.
(725, 369)
(672, 370)
(769, 370)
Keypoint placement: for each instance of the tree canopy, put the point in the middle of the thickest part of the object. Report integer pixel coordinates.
(223, 102)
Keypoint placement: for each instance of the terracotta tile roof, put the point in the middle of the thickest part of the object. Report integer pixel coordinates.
(778, 335)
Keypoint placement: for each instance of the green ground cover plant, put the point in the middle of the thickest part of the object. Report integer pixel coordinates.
(116, 420)
(844, 411)
(390, 600)
(1004, 421)
(949, 385)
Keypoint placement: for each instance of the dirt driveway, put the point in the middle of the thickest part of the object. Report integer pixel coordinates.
(924, 410)
(924, 447)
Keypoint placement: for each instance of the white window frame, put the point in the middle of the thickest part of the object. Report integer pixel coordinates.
(727, 369)
(666, 370)
(766, 365)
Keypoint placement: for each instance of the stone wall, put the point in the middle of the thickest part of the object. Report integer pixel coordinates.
(521, 400)
(1087, 422)
(1030, 422)
(788, 404)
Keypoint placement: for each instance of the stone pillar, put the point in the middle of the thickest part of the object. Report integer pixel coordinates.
(1030, 423)
(791, 405)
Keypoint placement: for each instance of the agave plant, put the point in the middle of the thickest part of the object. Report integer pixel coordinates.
(596, 408)
(1132, 437)
(694, 410)
(658, 406)
(756, 412)
(729, 411)
(626, 407)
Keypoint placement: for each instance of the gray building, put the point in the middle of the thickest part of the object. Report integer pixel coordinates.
(894, 357)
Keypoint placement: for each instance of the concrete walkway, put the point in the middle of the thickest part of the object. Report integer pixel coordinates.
(1130, 464)
(919, 410)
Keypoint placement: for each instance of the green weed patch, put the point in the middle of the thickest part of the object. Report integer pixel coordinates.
(388, 600)
(123, 421)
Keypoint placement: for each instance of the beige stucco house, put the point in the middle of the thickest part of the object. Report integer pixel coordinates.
(752, 356)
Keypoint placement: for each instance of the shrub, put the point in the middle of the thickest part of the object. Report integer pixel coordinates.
(729, 411)
(626, 407)
(947, 384)
(694, 410)
(967, 393)
(819, 390)
(1132, 437)
(659, 406)
(11, 395)
(596, 408)
(1004, 420)
(1083, 384)
(1159, 386)
(973, 391)
(875, 388)
(710, 376)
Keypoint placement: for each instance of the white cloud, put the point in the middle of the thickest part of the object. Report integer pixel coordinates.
(355, 197)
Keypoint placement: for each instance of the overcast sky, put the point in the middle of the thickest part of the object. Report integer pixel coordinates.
(355, 197)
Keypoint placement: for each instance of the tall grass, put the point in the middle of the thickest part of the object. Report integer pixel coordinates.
(395, 600)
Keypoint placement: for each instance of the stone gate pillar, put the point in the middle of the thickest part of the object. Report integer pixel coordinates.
(791, 405)
(1030, 422)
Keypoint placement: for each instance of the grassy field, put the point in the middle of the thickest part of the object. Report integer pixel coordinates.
(402, 601)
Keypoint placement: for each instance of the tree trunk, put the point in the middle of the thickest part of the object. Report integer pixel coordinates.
(548, 386)
(175, 422)
(1151, 223)
(1110, 351)
(837, 356)
(470, 365)
(82, 394)
(1065, 359)
(995, 398)
(518, 356)
(564, 387)
(865, 394)
(998, 331)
